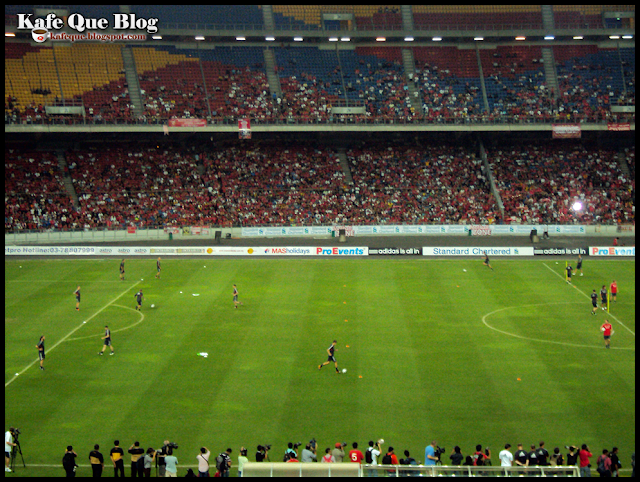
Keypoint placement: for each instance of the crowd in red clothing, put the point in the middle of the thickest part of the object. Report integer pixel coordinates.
(541, 184)
(434, 184)
(276, 183)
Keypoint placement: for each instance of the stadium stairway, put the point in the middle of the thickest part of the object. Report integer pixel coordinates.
(267, 18)
(132, 80)
(550, 73)
(407, 17)
(409, 65)
(66, 177)
(272, 76)
(344, 163)
(622, 162)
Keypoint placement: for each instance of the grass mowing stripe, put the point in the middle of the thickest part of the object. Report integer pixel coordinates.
(588, 297)
(49, 350)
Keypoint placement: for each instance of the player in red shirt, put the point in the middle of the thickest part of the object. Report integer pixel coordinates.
(614, 290)
(355, 455)
(606, 330)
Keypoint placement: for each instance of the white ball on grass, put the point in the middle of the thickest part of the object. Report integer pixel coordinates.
(344, 370)
(153, 306)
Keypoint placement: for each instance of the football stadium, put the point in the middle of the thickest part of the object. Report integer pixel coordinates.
(319, 240)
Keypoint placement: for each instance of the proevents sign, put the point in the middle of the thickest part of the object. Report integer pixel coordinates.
(566, 131)
(612, 251)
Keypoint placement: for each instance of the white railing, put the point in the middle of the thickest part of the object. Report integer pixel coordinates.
(297, 469)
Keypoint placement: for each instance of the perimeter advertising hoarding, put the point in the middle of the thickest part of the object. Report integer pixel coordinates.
(476, 251)
(612, 251)
(324, 251)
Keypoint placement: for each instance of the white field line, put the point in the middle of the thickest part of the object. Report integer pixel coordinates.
(72, 332)
(588, 297)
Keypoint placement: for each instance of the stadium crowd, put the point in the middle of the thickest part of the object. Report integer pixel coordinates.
(517, 92)
(269, 184)
(141, 461)
(541, 184)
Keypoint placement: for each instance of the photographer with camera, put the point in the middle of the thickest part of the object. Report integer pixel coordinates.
(203, 462)
(291, 453)
(161, 457)
(338, 452)
(585, 464)
(136, 452)
(430, 457)
(572, 456)
(263, 453)
(171, 463)
(309, 453)
(8, 447)
(242, 459)
(69, 461)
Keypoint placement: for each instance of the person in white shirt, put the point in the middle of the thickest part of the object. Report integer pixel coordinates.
(242, 459)
(506, 457)
(203, 462)
(8, 446)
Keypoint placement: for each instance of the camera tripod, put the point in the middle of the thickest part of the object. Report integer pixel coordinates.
(16, 449)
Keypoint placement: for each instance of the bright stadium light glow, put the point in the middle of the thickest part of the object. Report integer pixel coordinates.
(156, 37)
(577, 206)
(199, 37)
(297, 39)
(627, 37)
(408, 39)
(241, 38)
(578, 37)
(345, 39)
(9, 34)
(437, 39)
(333, 39)
(549, 37)
(478, 38)
(381, 39)
(270, 39)
(614, 37)
(521, 37)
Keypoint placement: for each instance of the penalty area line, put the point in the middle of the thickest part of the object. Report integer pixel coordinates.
(72, 332)
(588, 297)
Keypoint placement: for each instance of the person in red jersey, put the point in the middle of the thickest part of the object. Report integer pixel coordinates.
(355, 455)
(606, 330)
(614, 290)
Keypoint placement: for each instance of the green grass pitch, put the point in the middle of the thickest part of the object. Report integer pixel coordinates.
(432, 353)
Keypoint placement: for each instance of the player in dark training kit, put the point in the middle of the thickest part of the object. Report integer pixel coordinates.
(486, 261)
(158, 267)
(579, 265)
(569, 271)
(603, 297)
(40, 347)
(331, 357)
(235, 297)
(77, 293)
(594, 302)
(139, 297)
(122, 270)
(107, 341)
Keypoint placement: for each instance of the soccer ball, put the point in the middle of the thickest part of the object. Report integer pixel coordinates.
(344, 370)
(153, 306)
